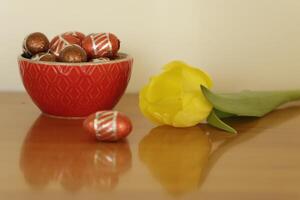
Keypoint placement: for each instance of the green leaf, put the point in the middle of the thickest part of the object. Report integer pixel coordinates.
(222, 114)
(215, 121)
(249, 103)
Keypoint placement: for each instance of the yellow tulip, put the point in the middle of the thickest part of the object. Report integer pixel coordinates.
(174, 97)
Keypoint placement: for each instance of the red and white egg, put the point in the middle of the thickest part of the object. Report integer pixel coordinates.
(58, 43)
(76, 34)
(108, 125)
(99, 45)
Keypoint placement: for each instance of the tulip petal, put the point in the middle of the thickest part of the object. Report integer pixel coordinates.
(167, 84)
(195, 109)
(173, 97)
(144, 106)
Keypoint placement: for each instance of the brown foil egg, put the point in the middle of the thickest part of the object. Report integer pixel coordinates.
(99, 45)
(108, 125)
(72, 54)
(44, 57)
(35, 43)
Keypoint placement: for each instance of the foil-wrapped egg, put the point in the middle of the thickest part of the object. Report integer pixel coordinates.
(100, 60)
(72, 54)
(98, 45)
(76, 34)
(58, 43)
(48, 57)
(35, 43)
(108, 125)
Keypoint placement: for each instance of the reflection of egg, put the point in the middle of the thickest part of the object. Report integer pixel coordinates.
(59, 152)
(108, 125)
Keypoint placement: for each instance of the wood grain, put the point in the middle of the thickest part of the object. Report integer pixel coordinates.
(47, 158)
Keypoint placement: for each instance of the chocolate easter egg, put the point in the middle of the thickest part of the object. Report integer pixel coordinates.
(59, 42)
(44, 57)
(72, 54)
(108, 125)
(35, 43)
(99, 45)
(76, 34)
(100, 60)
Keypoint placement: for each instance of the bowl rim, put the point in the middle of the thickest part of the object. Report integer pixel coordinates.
(125, 57)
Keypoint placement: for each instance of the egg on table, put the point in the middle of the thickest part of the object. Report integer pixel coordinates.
(108, 125)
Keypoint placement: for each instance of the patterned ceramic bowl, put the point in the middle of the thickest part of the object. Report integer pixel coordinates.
(75, 89)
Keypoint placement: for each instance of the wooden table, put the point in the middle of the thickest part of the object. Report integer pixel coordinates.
(45, 158)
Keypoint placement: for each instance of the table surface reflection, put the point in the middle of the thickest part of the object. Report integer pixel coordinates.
(48, 158)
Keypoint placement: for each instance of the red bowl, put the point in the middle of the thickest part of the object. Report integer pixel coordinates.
(75, 89)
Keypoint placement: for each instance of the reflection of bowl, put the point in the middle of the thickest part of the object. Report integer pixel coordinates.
(60, 151)
(75, 89)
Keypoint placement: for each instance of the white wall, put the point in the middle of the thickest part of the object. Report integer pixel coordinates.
(252, 44)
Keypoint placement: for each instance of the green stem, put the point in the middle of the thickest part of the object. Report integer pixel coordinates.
(293, 94)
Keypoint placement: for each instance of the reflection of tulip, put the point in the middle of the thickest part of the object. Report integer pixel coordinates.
(59, 150)
(175, 156)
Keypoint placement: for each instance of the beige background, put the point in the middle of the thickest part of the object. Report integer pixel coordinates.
(253, 44)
